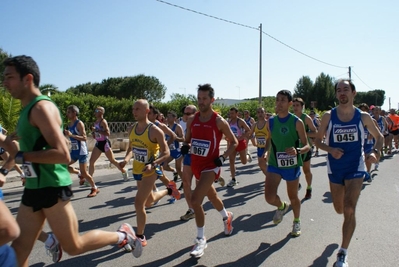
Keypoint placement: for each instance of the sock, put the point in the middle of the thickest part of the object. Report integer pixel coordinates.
(190, 209)
(50, 241)
(282, 206)
(297, 220)
(309, 187)
(169, 191)
(343, 250)
(201, 232)
(224, 214)
(121, 237)
(140, 236)
(233, 178)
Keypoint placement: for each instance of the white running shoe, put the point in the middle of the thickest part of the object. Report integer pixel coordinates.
(278, 216)
(296, 229)
(341, 260)
(232, 183)
(131, 243)
(199, 247)
(55, 251)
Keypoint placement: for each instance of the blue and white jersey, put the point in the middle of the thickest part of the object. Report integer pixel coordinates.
(175, 145)
(349, 136)
(78, 148)
(381, 125)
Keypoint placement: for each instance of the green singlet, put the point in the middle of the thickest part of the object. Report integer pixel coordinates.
(283, 136)
(39, 175)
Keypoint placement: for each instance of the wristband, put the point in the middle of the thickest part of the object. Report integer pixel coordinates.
(19, 157)
(298, 150)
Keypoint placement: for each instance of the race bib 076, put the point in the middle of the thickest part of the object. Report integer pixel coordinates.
(285, 160)
(344, 134)
(200, 147)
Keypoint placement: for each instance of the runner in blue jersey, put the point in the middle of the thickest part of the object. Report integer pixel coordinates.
(344, 130)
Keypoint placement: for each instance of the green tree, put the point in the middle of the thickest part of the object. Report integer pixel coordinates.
(375, 97)
(304, 89)
(48, 89)
(323, 92)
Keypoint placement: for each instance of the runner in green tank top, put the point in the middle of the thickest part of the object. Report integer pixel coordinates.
(45, 154)
(286, 131)
(311, 132)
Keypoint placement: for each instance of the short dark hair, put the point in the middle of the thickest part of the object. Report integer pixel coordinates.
(24, 65)
(154, 110)
(363, 105)
(300, 100)
(173, 113)
(207, 88)
(234, 108)
(286, 93)
(345, 80)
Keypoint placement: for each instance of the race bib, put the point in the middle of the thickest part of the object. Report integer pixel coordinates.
(140, 154)
(285, 160)
(234, 130)
(200, 147)
(97, 135)
(172, 146)
(261, 141)
(74, 145)
(345, 134)
(28, 170)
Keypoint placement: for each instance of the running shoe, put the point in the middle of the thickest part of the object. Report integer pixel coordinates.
(249, 157)
(198, 250)
(376, 166)
(308, 194)
(188, 216)
(172, 200)
(175, 176)
(125, 176)
(228, 223)
(131, 243)
(341, 260)
(221, 181)
(55, 251)
(232, 183)
(278, 216)
(316, 154)
(94, 192)
(175, 192)
(143, 241)
(296, 229)
(81, 179)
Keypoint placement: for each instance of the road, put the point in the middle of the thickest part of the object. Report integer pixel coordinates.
(255, 241)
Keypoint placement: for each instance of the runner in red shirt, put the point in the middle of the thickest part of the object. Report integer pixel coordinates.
(204, 132)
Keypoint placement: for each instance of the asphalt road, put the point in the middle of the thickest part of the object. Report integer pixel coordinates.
(255, 241)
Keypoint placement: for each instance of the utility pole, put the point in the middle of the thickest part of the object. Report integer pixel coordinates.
(350, 73)
(260, 66)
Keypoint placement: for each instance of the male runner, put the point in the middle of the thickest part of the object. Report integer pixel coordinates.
(204, 132)
(287, 132)
(344, 129)
(145, 141)
(79, 152)
(298, 106)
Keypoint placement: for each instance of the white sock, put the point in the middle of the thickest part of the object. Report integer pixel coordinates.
(121, 237)
(190, 209)
(224, 214)
(201, 232)
(344, 250)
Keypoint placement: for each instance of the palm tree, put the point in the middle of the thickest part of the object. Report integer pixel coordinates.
(48, 89)
(9, 110)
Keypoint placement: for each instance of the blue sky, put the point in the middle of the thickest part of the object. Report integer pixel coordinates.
(76, 42)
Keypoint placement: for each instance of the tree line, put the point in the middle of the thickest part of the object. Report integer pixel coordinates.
(117, 95)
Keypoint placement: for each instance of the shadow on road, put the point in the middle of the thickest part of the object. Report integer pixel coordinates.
(322, 261)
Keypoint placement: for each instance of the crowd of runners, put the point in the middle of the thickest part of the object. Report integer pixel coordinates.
(354, 137)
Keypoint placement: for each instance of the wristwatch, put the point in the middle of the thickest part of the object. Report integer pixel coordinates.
(3, 171)
(19, 157)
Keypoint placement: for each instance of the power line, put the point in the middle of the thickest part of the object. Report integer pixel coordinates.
(253, 28)
(362, 80)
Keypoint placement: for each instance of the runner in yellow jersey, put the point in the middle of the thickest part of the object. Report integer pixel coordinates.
(262, 141)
